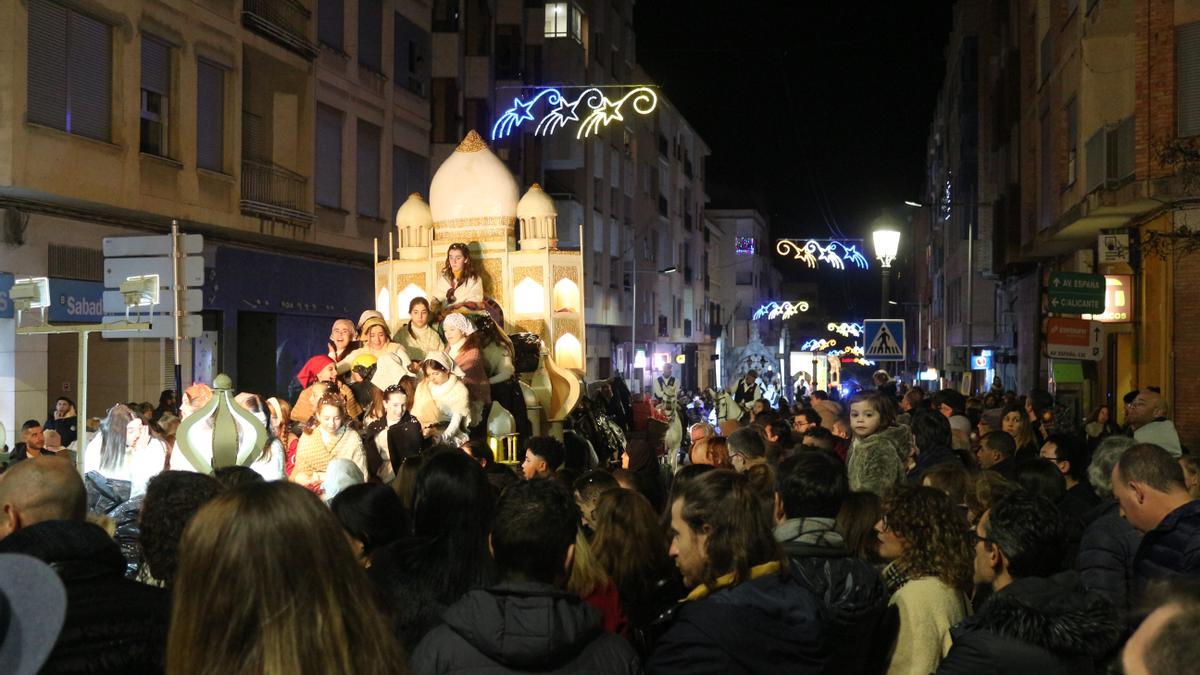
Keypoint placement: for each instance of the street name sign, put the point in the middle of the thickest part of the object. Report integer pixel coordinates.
(129, 258)
(883, 339)
(1073, 339)
(1074, 293)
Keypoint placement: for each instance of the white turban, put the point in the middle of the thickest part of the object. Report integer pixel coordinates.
(462, 323)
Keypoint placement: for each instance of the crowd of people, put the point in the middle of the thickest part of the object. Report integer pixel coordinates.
(896, 531)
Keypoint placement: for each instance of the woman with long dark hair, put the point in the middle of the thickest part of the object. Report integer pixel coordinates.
(641, 459)
(307, 609)
(1015, 422)
(497, 351)
(417, 336)
(447, 555)
(458, 282)
(934, 441)
(121, 459)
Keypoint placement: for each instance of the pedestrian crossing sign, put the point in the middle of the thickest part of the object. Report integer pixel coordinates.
(883, 339)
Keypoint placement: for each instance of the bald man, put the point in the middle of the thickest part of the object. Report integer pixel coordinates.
(39, 489)
(1149, 414)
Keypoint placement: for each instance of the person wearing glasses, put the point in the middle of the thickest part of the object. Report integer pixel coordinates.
(1035, 620)
(929, 572)
(458, 283)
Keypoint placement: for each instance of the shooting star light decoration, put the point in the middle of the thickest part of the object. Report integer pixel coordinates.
(816, 345)
(846, 329)
(831, 251)
(776, 310)
(598, 109)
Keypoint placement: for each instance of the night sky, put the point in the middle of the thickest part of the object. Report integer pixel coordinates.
(816, 112)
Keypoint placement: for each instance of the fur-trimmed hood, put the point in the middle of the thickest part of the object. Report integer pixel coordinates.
(1053, 613)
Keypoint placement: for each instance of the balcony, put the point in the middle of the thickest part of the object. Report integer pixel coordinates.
(284, 22)
(274, 193)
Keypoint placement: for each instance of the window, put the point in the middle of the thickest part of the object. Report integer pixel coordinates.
(370, 35)
(445, 110)
(156, 88)
(445, 16)
(556, 19)
(479, 28)
(331, 24)
(476, 114)
(70, 71)
(411, 57)
(1072, 113)
(410, 173)
(210, 116)
(367, 196)
(1187, 78)
(508, 52)
(329, 157)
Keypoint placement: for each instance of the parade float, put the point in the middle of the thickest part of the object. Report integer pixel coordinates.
(538, 288)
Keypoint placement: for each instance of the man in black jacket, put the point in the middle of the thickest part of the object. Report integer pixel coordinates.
(113, 625)
(1148, 482)
(1035, 620)
(526, 623)
(748, 612)
(809, 493)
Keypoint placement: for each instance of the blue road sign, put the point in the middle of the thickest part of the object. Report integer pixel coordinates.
(883, 339)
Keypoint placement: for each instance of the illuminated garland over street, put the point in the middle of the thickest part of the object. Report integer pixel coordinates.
(813, 251)
(785, 311)
(600, 111)
(815, 345)
(856, 351)
(846, 329)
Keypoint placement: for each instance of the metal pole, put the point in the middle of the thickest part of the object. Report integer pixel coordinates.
(970, 296)
(82, 382)
(177, 291)
(883, 302)
(633, 319)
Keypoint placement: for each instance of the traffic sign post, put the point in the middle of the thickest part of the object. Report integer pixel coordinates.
(1074, 293)
(1073, 339)
(883, 339)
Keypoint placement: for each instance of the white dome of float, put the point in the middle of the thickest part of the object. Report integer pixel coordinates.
(472, 184)
(414, 213)
(536, 204)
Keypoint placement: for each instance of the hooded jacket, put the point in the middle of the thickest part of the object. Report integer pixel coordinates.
(1106, 553)
(1035, 625)
(522, 627)
(113, 625)
(850, 589)
(876, 463)
(770, 624)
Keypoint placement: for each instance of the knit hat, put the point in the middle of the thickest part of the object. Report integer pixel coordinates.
(33, 605)
(308, 374)
(459, 321)
(443, 359)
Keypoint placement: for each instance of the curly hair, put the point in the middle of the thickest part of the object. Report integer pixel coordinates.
(934, 534)
(331, 398)
(171, 499)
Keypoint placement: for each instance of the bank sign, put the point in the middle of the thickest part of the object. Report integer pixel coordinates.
(75, 301)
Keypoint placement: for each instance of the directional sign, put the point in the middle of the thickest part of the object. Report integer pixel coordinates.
(883, 339)
(193, 301)
(1073, 339)
(125, 247)
(127, 258)
(161, 326)
(117, 270)
(1074, 293)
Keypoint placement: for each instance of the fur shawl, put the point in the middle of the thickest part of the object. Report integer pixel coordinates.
(876, 463)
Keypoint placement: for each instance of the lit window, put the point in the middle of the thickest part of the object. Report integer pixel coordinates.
(744, 245)
(556, 19)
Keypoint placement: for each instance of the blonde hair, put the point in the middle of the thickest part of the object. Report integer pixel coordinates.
(587, 574)
(308, 606)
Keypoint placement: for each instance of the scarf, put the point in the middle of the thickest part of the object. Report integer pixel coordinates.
(894, 576)
(811, 531)
(451, 398)
(308, 374)
(702, 591)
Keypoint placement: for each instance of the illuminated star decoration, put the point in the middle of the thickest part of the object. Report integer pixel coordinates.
(603, 111)
(777, 310)
(813, 251)
(846, 329)
(856, 352)
(816, 345)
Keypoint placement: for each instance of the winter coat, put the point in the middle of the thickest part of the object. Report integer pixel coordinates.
(876, 463)
(1106, 554)
(925, 609)
(1160, 432)
(1172, 548)
(113, 625)
(522, 627)
(769, 624)
(929, 457)
(849, 587)
(1035, 625)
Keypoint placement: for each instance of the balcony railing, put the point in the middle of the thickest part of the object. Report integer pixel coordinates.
(273, 192)
(282, 21)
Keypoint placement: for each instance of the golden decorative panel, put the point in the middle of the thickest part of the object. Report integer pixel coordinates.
(565, 325)
(565, 272)
(403, 280)
(530, 326)
(533, 272)
(466, 230)
(492, 272)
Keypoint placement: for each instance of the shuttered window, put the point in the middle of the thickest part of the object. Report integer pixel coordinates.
(1187, 80)
(331, 26)
(411, 56)
(155, 97)
(370, 34)
(70, 71)
(329, 157)
(367, 194)
(410, 173)
(210, 116)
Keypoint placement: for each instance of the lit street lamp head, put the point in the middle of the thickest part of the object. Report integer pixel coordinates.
(887, 243)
